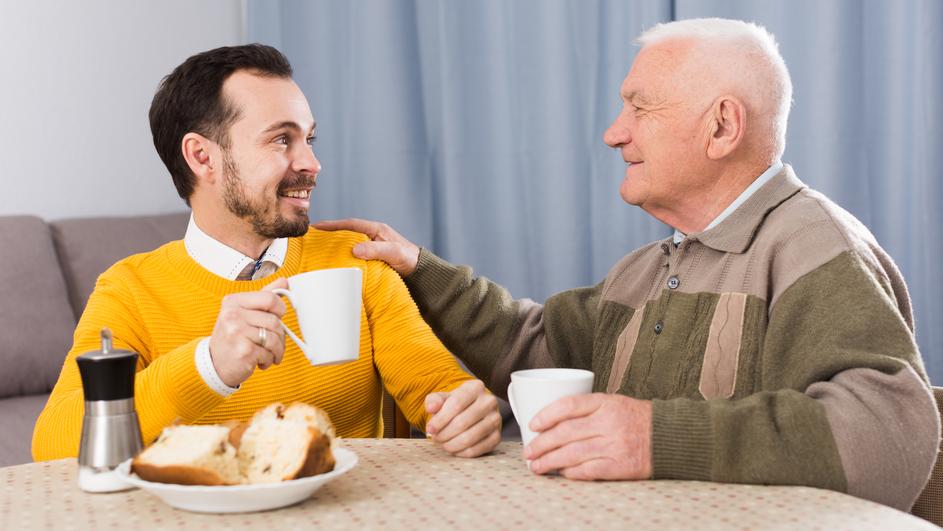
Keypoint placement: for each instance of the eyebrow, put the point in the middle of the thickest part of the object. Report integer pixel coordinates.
(287, 125)
(633, 96)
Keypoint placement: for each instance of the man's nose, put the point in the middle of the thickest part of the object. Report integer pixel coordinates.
(306, 161)
(618, 132)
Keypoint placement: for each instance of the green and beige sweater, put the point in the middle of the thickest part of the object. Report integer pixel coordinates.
(778, 347)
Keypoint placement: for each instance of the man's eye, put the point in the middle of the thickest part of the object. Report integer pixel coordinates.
(281, 140)
(310, 140)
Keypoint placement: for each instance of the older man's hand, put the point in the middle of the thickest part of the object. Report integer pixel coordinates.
(385, 243)
(596, 436)
(465, 422)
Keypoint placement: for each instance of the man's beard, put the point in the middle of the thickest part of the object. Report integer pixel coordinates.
(265, 217)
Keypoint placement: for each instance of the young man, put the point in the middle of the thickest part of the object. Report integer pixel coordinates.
(235, 132)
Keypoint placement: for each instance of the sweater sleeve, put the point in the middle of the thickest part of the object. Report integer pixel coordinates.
(495, 334)
(411, 360)
(848, 409)
(167, 387)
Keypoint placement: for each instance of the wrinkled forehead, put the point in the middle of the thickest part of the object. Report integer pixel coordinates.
(658, 67)
(262, 100)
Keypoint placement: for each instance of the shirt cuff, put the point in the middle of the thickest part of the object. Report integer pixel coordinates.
(204, 365)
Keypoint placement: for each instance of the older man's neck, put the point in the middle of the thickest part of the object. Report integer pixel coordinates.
(696, 209)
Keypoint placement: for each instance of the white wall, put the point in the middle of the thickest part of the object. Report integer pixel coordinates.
(76, 82)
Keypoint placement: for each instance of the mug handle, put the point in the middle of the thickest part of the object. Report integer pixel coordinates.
(296, 339)
(514, 410)
(511, 399)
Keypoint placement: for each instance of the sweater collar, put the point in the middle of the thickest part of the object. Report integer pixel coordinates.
(735, 233)
(180, 261)
(222, 260)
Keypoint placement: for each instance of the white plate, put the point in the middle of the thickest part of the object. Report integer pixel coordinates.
(239, 498)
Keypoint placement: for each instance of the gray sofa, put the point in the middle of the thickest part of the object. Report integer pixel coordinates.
(48, 271)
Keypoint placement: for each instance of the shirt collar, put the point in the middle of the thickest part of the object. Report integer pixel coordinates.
(735, 233)
(222, 260)
(757, 183)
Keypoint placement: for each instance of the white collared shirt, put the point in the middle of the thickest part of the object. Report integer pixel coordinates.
(224, 261)
(221, 259)
(750, 190)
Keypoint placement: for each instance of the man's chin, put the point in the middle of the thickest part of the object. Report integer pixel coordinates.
(630, 195)
(297, 228)
(283, 228)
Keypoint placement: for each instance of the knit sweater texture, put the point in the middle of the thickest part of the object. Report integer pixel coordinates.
(777, 347)
(160, 304)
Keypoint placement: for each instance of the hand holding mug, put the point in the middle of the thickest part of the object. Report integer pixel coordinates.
(248, 334)
(596, 436)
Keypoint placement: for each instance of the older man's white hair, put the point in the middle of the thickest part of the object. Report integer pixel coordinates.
(769, 79)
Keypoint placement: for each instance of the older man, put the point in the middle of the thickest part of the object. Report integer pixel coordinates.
(769, 340)
(235, 132)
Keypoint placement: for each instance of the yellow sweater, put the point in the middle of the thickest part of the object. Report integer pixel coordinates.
(160, 304)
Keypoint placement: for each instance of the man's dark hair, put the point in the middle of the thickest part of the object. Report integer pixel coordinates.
(190, 99)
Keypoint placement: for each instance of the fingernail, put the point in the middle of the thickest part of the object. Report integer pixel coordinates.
(358, 249)
(527, 452)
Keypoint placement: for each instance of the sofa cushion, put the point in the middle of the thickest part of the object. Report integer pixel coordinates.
(19, 416)
(87, 247)
(36, 321)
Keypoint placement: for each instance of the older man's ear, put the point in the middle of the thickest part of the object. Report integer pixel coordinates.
(727, 120)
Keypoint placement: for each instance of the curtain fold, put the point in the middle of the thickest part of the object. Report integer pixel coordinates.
(475, 128)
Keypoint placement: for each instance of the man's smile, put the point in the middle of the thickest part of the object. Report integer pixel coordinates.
(297, 197)
(299, 194)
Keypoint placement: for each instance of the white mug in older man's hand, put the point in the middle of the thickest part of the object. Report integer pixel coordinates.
(327, 303)
(534, 389)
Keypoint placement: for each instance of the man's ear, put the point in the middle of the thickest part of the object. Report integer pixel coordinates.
(201, 155)
(727, 126)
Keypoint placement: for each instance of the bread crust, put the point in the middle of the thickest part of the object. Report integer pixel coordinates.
(236, 429)
(179, 474)
(320, 458)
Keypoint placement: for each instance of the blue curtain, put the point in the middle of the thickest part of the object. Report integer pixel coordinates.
(475, 128)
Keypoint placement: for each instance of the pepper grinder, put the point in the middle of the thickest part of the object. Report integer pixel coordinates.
(111, 432)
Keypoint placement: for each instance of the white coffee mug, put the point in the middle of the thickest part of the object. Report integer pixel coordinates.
(327, 303)
(534, 389)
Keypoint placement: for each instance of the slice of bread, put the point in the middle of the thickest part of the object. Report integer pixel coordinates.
(279, 443)
(284, 443)
(190, 455)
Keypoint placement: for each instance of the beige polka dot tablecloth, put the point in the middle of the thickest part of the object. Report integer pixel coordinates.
(412, 484)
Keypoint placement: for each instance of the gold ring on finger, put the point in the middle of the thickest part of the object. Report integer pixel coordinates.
(263, 335)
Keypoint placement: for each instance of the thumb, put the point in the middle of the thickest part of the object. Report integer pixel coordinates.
(386, 251)
(434, 402)
(277, 283)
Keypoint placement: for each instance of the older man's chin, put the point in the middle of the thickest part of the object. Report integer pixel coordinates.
(630, 194)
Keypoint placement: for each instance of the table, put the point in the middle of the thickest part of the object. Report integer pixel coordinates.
(412, 484)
